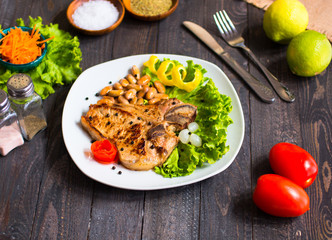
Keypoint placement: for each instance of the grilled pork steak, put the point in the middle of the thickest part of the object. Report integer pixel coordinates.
(143, 134)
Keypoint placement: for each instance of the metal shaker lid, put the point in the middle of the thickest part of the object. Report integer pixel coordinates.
(20, 85)
(4, 103)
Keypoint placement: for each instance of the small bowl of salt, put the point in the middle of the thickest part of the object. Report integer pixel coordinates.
(95, 17)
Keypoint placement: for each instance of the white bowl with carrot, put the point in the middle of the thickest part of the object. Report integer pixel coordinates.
(22, 48)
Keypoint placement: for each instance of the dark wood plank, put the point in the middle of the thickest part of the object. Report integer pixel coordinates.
(279, 119)
(122, 211)
(43, 195)
(226, 198)
(297, 123)
(22, 169)
(116, 213)
(58, 183)
(65, 197)
(173, 213)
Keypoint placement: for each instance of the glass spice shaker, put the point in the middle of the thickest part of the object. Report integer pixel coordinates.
(10, 133)
(27, 104)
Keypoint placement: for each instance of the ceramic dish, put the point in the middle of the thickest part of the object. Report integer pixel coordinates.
(27, 66)
(75, 4)
(78, 142)
(127, 5)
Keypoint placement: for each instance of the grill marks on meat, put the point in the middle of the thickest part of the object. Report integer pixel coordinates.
(143, 135)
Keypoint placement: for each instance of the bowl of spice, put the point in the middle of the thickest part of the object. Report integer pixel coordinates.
(150, 10)
(22, 48)
(95, 17)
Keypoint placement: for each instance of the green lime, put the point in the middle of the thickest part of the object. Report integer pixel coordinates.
(309, 53)
(284, 19)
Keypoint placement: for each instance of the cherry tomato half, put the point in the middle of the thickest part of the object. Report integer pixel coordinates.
(278, 196)
(104, 151)
(293, 162)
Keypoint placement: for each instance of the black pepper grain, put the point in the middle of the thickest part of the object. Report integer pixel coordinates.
(149, 123)
(146, 110)
(132, 142)
(107, 115)
(86, 98)
(110, 82)
(119, 172)
(108, 123)
(138, 118)
(116, 114)
(173, 103)
(90, 118)
(113, 168)
(97, 94)
(152, 146)
(121, 149)
(131, 122)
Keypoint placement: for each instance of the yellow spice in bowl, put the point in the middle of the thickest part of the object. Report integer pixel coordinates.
(150, 7)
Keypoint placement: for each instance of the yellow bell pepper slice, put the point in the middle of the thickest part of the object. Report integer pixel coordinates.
(175, 76)
(151, 64)
(165, 76)
(189, 86)
(179, 73)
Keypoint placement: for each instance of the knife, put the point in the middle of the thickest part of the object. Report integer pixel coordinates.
(263, 92)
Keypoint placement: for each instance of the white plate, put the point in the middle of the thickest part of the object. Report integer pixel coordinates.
(78, 141)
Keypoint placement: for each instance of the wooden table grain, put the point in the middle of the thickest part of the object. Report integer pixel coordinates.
(43, 195)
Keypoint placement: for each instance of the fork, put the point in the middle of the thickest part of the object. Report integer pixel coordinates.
(234, 39)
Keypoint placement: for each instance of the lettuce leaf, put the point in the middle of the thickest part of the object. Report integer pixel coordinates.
(61, 64)
(213, 119)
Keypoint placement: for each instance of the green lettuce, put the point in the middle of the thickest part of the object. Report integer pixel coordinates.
(213, 119)
(61, 64)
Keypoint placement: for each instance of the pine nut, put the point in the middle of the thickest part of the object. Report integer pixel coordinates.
(154, 100)
(131, 79)
(150, 94)
(122, 99)
(107, 101)
(133, 100)
(117, 86)
(161, 96)
(160, 87)
(105, 90)
(124, 82)
(140, 101)
(115, 93)
(135, 71)
(144, 80)
(131, 93)
(135, 86)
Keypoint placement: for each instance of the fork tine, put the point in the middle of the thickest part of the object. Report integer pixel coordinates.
(225, 21)
(229, 21)
(225, 30)
(218, 25)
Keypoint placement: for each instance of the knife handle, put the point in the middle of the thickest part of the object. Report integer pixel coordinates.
(263, 92)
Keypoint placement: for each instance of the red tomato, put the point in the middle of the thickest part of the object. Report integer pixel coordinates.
(293, 162)
(278, 196)
(104, 151)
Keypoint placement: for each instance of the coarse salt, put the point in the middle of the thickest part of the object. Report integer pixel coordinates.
(95, 15)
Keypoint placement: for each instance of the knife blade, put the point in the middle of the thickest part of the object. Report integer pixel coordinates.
(262, 91)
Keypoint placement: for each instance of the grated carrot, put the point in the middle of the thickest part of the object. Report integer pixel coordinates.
(20, 47)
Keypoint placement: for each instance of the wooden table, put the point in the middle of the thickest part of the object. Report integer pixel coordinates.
(43, 195)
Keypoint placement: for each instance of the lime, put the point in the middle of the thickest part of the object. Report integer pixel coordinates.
(309, 53)
(284, 19)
